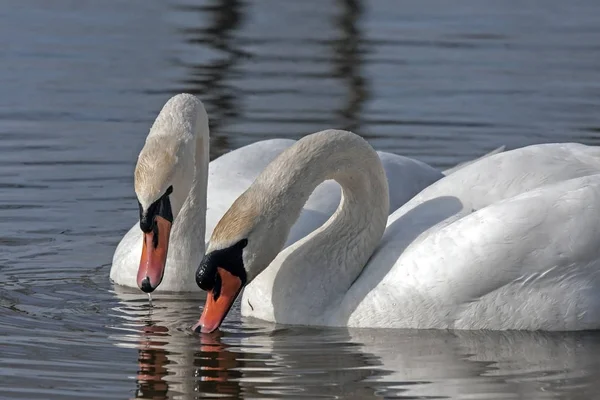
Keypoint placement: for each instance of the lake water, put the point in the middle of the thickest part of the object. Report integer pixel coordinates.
(80, 83)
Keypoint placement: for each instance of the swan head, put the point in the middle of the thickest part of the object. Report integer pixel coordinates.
(244, 242)
(163, 177)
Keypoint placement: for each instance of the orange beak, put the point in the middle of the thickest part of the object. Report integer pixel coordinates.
(219, 301)
(154, 255)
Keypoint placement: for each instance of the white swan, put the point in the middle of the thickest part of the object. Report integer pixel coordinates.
(175, 158)
(508, 242)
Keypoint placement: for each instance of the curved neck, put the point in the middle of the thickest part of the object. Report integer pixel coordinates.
(187, 235)
(326, 262)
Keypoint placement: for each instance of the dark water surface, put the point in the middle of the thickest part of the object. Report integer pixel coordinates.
(81, 82)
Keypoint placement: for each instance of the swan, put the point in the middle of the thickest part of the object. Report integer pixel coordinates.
(182, 197)
(508, 242)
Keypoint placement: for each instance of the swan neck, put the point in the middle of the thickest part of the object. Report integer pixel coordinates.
(335, 253)
(344, 157)
(189, 226)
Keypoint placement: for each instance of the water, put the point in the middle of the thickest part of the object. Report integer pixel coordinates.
(81, 82)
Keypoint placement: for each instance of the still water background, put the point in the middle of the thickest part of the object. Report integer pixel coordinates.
(80, 83)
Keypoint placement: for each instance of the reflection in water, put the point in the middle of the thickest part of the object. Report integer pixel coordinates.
(252, 359)
(220, 44)
(348, 50)
(213, 369)
(218, 369)
(172, 361)
(152, 361)
(211, 80)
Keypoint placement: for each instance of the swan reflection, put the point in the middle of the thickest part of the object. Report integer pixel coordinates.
(252, 359)
(152, 362)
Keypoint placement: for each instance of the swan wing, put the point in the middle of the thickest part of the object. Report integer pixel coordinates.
(528, 262)
(438, 216)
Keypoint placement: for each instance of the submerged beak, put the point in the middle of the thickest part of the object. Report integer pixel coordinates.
(219, 301)
(154, 255)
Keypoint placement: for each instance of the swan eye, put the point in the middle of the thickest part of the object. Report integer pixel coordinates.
(205, 279)
(229, 259)
(161, 207)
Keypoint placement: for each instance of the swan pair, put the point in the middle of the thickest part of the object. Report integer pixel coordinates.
(182, 197)
(509, 241)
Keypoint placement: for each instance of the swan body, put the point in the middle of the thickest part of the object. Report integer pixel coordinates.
(518, 251)
(507, 242)
(176, 155)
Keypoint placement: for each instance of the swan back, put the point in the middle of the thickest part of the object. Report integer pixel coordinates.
(510, 173)
(497, 244)
(527, 262)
